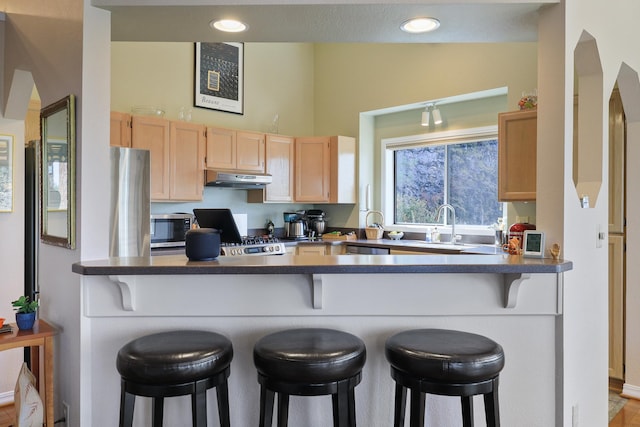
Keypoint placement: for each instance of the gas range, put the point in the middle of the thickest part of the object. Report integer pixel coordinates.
(253, 246)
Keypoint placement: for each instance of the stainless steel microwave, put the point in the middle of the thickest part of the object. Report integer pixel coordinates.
(169, 230)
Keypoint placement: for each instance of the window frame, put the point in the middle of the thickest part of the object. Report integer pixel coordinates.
(387, 182)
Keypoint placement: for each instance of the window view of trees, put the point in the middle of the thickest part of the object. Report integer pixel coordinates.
(464, 175)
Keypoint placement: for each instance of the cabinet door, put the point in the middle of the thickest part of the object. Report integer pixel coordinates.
(616, 307)
(120, 129)
(343, 170)
(311, 250)
(250, 151)
(517, 146)
(312, 169)
(221, 148)
(187, 161)
(152, 133)
(279, 164)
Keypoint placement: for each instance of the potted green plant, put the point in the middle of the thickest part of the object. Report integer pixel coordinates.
(25, 312)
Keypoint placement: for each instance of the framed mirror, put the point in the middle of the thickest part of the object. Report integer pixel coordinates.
(58, 174)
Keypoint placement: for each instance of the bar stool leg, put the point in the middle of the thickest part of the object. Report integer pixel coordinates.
(283, 409)
(222, 393)
(491, 406)
(417, 408)
(266, 407)
(127, 402)
(352, 406)
(467, 410)
(157, 411)
(400, 405)
(341, 415)
(199, 408)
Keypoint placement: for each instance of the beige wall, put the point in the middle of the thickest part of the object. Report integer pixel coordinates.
(278, 80)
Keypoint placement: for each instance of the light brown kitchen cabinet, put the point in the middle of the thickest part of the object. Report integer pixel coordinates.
(186, 153)
(229, 149)
(152, 133)
(312, 249)
(176, 152)
(279, 164)
(517, 148)
(120, 135)
(325, 169)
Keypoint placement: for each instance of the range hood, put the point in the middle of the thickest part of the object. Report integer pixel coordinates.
(240, 180)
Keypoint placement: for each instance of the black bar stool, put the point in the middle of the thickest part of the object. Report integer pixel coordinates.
(444, 362)
(309, 362)
(175, 363)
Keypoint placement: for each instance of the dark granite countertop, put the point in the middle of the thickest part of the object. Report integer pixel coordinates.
(327, 264)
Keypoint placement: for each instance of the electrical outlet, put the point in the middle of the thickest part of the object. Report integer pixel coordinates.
(65, 414)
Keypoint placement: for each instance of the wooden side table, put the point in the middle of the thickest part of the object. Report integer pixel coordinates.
(40, 336)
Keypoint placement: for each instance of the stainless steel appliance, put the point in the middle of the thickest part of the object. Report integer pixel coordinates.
(366, 250)
(169, 230)
(231, 242)
(253, 246)
(316, 221)
(130, 203)
(295, 225)
(237, 179)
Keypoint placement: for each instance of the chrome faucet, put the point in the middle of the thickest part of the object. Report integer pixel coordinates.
(453, 224)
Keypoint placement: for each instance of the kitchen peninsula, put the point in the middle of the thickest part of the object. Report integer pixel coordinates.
(513, 300)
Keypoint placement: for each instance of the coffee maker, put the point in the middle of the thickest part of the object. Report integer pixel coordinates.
(316, 221)
(295, 225)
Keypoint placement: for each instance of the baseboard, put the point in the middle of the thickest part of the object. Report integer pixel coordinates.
(6, 398)
(631, 391)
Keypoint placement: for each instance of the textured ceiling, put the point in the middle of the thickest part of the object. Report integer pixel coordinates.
(462, 22)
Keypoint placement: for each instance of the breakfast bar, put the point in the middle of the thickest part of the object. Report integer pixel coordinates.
(513, 300)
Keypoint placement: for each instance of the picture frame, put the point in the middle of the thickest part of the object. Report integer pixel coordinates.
(533, 244)
(6, 173)
(219, 76)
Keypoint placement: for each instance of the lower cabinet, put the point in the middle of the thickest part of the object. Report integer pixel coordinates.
(312, 250)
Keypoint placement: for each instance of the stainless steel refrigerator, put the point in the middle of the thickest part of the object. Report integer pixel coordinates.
(130, 203)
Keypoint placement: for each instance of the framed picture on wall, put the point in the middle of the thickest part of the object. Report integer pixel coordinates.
(6, 173)
(219, 76)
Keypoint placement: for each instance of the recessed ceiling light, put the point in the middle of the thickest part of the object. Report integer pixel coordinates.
(229, 25)
(420, 25)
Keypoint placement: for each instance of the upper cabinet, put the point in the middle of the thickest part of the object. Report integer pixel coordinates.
(176, 156)
(235, 150)
(517, 148)
(325, 169)
(312, 169)
(187, 151)
(152, 133)
(120, 129)
(279, 151)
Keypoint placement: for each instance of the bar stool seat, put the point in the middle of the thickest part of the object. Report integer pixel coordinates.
(444, 362)
(175, 363)
(309, 362)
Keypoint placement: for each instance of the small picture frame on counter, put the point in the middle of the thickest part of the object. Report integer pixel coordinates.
(533, 244)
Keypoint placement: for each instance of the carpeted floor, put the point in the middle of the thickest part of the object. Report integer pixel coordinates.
(616, 402)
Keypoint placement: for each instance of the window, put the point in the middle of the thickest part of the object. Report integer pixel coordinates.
(459, 168)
